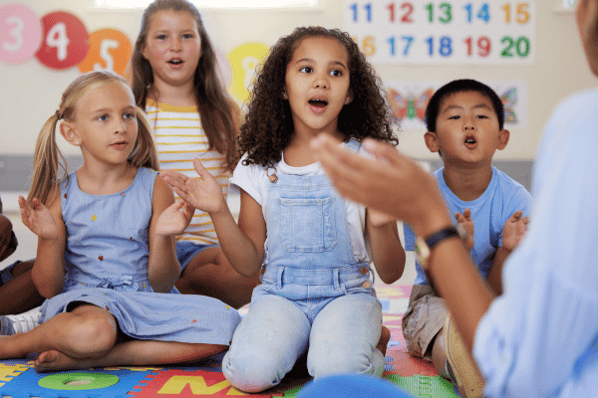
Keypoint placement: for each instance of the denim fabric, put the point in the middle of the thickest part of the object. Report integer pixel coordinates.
(314, 293)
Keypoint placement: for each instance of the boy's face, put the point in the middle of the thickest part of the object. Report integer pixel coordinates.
(467, 129)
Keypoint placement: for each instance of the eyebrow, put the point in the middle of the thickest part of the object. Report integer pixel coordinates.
(311, 60)
(450, 107)
(127, 108)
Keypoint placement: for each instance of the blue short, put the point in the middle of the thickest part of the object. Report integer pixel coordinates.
(6, 273)
(185, 251)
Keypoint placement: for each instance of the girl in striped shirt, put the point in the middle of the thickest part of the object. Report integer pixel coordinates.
(176, 80)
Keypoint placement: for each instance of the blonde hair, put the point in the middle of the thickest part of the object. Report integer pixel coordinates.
(48, 158)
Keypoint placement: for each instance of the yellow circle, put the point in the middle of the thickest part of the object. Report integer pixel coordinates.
(244, 60)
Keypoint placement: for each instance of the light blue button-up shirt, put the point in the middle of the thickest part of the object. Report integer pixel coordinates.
(540, 338)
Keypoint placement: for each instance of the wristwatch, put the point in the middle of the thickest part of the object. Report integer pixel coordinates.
(423, 246)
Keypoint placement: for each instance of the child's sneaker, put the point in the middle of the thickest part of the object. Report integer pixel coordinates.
(20, 323)
(462, 368)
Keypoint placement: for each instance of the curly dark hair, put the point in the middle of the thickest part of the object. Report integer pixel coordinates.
(269, 124)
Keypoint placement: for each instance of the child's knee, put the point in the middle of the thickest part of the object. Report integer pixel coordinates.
(92, 334)
(252, 371)
(324, 362)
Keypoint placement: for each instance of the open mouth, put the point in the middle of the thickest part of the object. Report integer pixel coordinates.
(470, 141)
(318, 103)
(175, 61)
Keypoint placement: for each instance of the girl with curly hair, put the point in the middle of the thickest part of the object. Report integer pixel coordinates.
(312, 248)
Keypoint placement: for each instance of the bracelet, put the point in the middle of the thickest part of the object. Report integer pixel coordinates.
(423, 247)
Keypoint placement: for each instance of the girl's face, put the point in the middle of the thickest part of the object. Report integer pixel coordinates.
(317, 84)
(172, 47)
(104, 124)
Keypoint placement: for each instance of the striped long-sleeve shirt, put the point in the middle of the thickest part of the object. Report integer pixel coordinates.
(180, 138)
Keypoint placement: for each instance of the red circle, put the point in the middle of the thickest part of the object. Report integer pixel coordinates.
(64, 41)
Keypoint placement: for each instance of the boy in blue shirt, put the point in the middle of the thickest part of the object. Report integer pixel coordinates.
(465, 121)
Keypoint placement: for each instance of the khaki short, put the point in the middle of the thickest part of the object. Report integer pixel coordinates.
(423, 320)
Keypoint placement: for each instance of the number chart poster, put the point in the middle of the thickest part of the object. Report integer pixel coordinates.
(443, 32)
(409, 99)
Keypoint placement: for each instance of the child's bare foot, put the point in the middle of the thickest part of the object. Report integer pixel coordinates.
(54, 360)
(384, 339)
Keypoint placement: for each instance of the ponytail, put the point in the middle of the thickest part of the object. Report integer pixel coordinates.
(46, 162)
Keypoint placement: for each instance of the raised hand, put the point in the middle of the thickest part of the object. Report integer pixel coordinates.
(174, 219)
(390, 182)
(203, 193)
(467, 223)
(38, 219)
(514, 230)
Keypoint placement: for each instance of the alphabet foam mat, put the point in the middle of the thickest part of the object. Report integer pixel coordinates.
(19, 380)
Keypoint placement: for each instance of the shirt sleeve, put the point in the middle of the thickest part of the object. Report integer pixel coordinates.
(247, 178)
(533, 338)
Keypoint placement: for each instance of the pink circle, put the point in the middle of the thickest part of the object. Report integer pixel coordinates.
(20, 33)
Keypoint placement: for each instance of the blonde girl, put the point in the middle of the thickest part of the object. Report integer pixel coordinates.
(175, 78)
(312, 248)
(106, 245)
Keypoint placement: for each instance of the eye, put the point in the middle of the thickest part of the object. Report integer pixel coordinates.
(161, 37)
(482, 117)
(306, 69)
(188, 36)
(129, 115)
(455, 117)
(103, 118)
(336, 72)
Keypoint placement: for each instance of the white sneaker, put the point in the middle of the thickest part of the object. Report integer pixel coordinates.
(20, 323)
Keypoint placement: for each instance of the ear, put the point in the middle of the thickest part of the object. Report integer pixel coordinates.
(349, 97)
(68, 131)
(432, 141)
(143, 50)
(503, 139)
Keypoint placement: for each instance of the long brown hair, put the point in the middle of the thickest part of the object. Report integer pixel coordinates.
(214, 106)
(48, 158)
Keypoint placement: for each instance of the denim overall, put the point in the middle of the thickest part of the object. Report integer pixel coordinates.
(313, 293)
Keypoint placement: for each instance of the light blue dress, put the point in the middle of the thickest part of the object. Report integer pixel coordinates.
(106, 258)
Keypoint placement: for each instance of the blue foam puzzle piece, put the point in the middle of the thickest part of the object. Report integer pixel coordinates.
(26, 385)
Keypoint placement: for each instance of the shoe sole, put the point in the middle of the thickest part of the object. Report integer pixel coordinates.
(468, 377)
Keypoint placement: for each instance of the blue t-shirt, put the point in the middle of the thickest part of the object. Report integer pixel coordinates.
(503, 197)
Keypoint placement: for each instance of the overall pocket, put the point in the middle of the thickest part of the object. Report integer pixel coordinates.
(308, 225)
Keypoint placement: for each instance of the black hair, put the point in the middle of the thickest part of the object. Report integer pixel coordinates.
(459, 86)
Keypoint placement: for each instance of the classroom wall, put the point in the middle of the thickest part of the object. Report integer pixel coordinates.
(30, 92)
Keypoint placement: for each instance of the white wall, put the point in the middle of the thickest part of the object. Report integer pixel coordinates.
(30, 92)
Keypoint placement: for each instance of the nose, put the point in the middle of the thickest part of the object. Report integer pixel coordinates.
(469, 124)
(176, 44)
(120, 126)
(321, 81)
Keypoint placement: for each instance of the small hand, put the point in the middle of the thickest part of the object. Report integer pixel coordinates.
(467, 223)
(514, 230)
(203, 193)
(378, 218)
(38, 219)
(174, 219)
